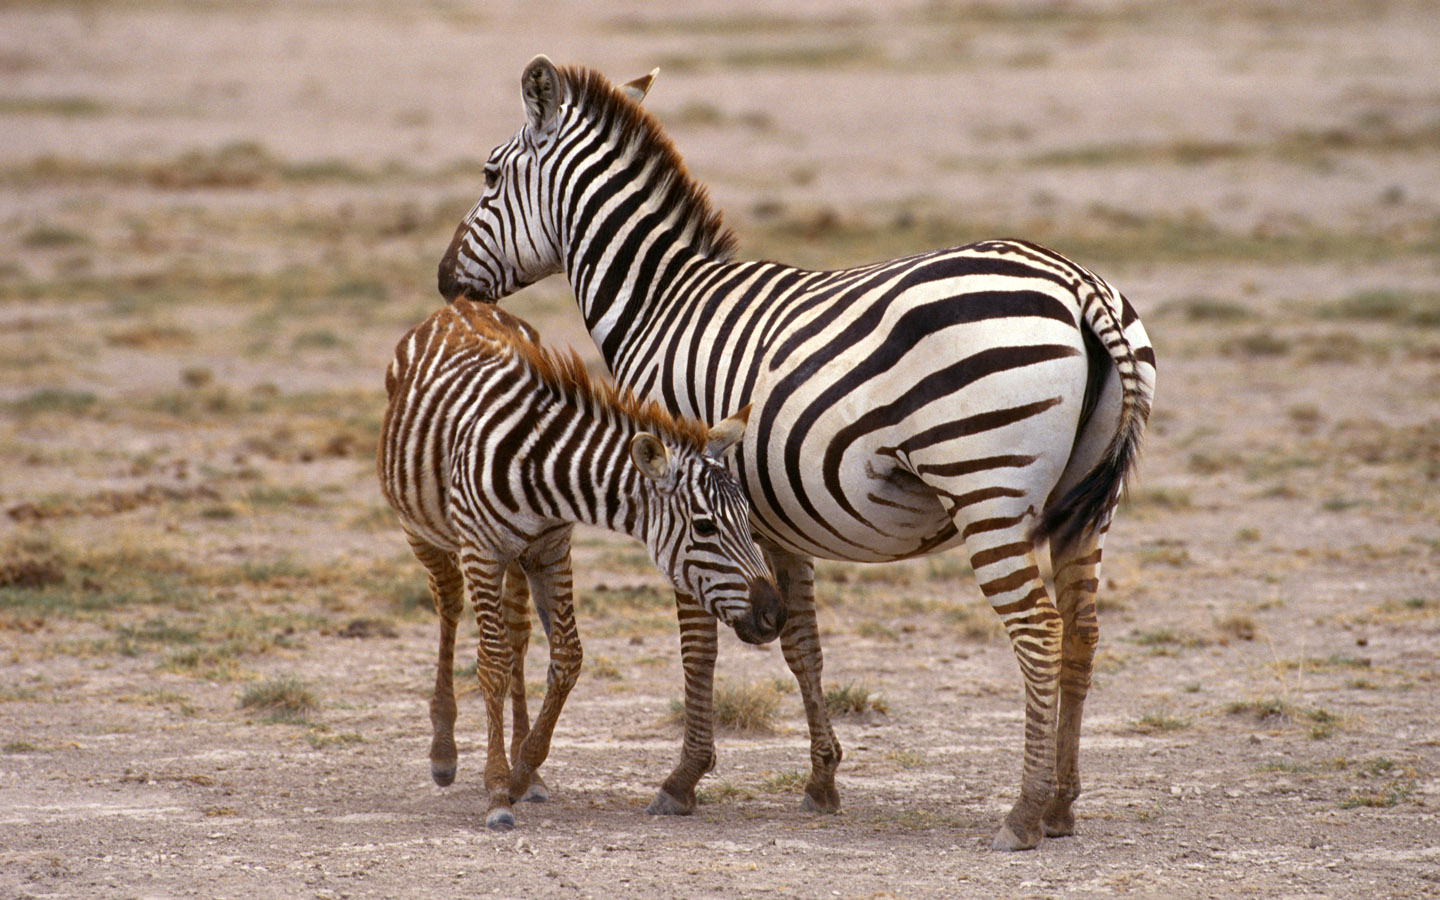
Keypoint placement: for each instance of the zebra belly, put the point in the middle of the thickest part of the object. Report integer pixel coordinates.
(897, 516)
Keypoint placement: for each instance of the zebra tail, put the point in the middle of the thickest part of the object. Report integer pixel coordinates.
(1087, 506)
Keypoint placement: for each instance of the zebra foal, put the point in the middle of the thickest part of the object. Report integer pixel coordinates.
(992, 395)
(491, 450)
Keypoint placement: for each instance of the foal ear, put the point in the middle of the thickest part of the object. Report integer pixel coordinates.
(637, 89)
(725, 434)
(540, 89)
(649, 456)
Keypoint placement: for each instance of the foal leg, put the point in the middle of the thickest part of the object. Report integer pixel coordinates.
(516, 601)
(483, 577)
(446, 588)
(548, 564)
(1077, 577)
(697, 752)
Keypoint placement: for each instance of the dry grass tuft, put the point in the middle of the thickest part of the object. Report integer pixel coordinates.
(853, 700)
(746, 706)
(282, 698)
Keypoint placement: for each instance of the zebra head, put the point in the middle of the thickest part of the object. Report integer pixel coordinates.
(511, 237)
(698, 531)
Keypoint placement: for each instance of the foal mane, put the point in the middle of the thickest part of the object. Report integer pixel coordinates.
(564, 372)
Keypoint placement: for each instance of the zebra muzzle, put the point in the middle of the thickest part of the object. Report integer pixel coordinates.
(767, 614)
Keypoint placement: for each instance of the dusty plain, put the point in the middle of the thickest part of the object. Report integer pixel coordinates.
(216, 219)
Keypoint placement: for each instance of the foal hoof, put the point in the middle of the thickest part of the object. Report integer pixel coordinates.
(1008, 840)
(666, 805)
(443, 775)
(500, 820)
(537, 792)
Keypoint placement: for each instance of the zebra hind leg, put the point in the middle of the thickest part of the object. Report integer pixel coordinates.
(483, 578)
(516, 601)
(1004, 562)
(548, 566)
(676, 796)
(1077, 578)
(447, 590)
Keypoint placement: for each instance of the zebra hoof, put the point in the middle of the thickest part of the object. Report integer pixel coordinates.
(537, 792)
(500, 820)
(821, 801)
(1009, 841)
(1058, 823)
(666, 805)
(443, 775)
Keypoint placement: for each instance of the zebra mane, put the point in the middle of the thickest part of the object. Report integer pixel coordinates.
(564, 371)
(602, 102)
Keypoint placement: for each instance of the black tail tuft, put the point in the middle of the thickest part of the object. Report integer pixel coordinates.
(1084, 507)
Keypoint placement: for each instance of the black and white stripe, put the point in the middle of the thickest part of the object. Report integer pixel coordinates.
(991, 395)
(492, 449)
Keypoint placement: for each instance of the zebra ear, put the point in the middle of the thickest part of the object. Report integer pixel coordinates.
(637, 89)
(725, 434)
(649, 456)
(540, 89)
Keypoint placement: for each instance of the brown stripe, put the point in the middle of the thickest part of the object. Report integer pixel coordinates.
(1010, 582)
(996, 554)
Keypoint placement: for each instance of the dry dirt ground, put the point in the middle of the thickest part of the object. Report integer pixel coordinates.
(215, 220)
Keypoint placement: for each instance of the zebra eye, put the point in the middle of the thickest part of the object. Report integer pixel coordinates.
(705, 528)
(492, 176)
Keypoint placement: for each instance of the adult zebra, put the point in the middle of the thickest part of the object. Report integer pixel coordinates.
(992, 395)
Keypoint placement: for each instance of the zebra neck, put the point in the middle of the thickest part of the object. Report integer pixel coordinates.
(585, 475)
(627, 263)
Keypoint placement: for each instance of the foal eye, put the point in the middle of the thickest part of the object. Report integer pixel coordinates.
(705, 528)
(492, 176)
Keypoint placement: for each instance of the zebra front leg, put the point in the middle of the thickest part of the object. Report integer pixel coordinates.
(446, 589)
(1077, 578)
(516, 601)
(548, 566)
(483, 580)
(697, 752)
(1010, 579)
(800, 642)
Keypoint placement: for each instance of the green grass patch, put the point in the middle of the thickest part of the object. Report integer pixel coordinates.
(1275, 712)
(869, 628)
(1391, 305)
(54, 237)
(1207, 309)
(1155, 722)
(789, 782)
(61, 401)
